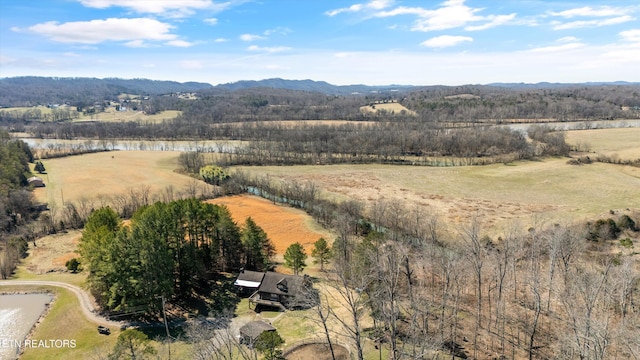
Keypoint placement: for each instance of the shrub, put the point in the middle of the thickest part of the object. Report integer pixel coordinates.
(625, 222)
(626, 243)
(603, 230)
(73, 265)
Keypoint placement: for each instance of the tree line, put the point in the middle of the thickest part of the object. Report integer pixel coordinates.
(17, 207)
(168, 250)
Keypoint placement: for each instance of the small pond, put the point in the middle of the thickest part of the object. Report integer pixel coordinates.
(18, 314)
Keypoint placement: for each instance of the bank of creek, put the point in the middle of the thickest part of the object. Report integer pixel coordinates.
(18, 314)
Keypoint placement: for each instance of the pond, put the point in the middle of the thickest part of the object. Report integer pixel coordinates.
(18, 314)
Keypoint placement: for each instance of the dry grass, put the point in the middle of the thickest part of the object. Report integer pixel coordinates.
(621, 142)
(284, 225)
(111, 115)
(51, 252)
(499, 194)
(105, 174)
(389, 107)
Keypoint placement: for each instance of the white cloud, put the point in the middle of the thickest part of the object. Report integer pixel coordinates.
(371, 5)
(557, 48)
(603, 11)
(211, 21)
(137, 44)
(568, 39)
(180, 8)
(450, 14)
(445, 41)
(251, 37)
(268, 49)
(592, 23)
(112, 29)
(631, 35)
(179, 43)
(495, 20)
(220, 40)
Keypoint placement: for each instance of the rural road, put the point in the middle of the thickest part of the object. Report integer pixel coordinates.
(83, 297)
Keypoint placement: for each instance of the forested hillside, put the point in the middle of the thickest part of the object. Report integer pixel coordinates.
(32, 90)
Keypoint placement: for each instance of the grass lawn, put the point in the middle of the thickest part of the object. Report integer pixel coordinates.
(65, 321)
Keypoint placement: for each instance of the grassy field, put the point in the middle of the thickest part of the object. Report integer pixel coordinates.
(623, 142)
(106, 174)
(499, 194)
(389, 107)
(117, 116)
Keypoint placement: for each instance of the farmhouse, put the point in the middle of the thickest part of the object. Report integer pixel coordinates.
(271, 288)
(35, 181)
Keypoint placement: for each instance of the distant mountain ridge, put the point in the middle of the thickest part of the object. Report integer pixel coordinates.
(310, 85)
(34, 90)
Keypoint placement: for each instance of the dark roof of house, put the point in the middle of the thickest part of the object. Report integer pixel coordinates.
(280, 284)
(253, 329)
(248, 275)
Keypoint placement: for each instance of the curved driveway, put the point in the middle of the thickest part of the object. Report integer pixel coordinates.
(83, 297)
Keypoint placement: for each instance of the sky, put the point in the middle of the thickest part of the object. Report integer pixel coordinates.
(371, 42)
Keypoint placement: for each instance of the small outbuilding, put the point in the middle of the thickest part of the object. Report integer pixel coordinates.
(249, 332)
(35, 181)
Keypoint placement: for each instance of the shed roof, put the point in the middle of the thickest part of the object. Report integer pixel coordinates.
(253, 329)
(252, 276)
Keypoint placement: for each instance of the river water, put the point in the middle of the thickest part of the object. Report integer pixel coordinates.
(18, 313)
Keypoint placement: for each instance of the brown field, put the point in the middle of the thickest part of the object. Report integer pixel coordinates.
(107, 174)
(284, 225)
(111, 115)
(389, 107)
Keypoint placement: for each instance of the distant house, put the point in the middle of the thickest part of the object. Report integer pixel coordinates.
(273, 289)
(250, 332)
(35, 181)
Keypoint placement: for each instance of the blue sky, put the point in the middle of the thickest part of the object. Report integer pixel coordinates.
(373, 42)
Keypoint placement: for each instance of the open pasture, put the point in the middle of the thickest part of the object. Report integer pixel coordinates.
(498, 194)
(111, 115)
(621, 142)
(103, 175)
(388, 107)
